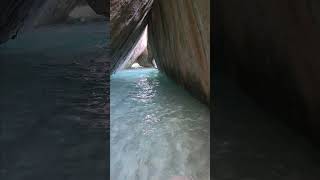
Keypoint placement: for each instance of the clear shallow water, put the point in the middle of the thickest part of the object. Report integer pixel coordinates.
(54, 104)
(157, 129)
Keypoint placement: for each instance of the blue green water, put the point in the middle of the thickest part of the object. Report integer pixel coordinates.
(157, 129)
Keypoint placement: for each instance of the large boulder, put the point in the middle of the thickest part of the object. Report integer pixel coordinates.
(128, 21)
(145, 59)
(136, 51)
(179, 35)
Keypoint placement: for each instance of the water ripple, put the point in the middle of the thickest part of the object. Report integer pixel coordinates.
(157, 129)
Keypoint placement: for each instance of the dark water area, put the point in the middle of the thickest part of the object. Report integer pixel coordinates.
(54, 103)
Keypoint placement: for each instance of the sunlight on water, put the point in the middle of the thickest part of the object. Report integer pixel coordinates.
(158, 131)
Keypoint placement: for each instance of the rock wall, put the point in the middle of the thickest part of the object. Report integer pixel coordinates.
(273, 50)
(179, 35)
(145, 59)
(128, 20)
(54, 11)
(101, 7)
(14, 14)
(136, 51)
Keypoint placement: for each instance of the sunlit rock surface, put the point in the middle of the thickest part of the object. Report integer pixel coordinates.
(139, 54)
(180, 40)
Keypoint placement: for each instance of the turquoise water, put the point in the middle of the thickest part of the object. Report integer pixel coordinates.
(157, 129)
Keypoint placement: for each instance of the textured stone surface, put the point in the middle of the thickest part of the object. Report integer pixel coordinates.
(12, 15)
(136, 51)
(179, 34)
(145, 59)
(55, 11)
(17, 13)
(128, 20)
(273, 48)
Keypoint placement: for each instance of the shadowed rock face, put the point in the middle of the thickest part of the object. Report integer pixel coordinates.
(16, 13)
(55, 11)
(273, 48)
(145, 59)
(180, 41)
(128, 20)
(12, 15)
(138, 52)
(101, 7)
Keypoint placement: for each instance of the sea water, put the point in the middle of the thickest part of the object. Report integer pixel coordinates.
(54, 103)
(158, 131)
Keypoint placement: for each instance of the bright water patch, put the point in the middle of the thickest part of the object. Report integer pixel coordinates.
(157, 129)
